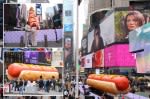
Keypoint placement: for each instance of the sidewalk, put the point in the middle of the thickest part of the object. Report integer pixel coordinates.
(40, 44)
(51, 93)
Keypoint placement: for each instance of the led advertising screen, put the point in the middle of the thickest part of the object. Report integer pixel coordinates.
(127, 21)
(98, 59)
(90, 39)
(84, 45)
(140, 63)
(68, 50)
(44, 57)
(139, 37)
(68, 13)
(57, 58)
(31, 57)
(118, 55)
(87, 61)
(107, 28)
(142, 60)
(35, 57)
(147, 58)
(102, 25)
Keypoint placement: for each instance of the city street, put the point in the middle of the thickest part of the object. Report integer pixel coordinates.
(41, 44)
(51, 92)
(39, 1)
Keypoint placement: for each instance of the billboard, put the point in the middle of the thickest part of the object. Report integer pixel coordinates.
(44, 57)
(84, 45)
(35, 57)
(57, 58)
(38, 9)
(68, 13)
(68, 52)
(139, 37)
(118, 55)
(142, 60)
(31, 57)
(98, 59)
(87, 61)
(90, 39)
(107, 28)
(102, 25)
(147, 58)
(127, 20)
(140, 63)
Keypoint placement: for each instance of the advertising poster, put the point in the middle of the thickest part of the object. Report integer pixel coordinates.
(140, 62)
(68, 50)
(98, 59)
(139, 37)
(57, 58)
(45, 57)
(31, 57)
(84, 45)
(90, 39)
(118, 55)
(102, 26)
(107, 28)
(88, 61)
(147, 58)
(38, 9)
(127, 21)
(68, 15)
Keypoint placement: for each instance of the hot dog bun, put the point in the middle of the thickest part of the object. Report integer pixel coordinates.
(114, 84)
(31, 72)
(35, 75)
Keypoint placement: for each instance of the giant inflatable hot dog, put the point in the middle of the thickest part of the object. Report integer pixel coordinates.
(114, 84)
(31, 72)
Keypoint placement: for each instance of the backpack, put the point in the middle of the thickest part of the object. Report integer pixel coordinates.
(65, 92)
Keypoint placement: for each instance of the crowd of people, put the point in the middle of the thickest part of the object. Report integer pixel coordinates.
(139, 84)
(42, 85)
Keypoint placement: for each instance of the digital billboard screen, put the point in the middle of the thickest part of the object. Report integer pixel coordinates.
(36, 57)
(31, 57)
(90, 39)
(44, 57)
(84, 45)
(98, 59)
(87, 61)
(142, 60)
(102, 25)
(147, 58)
(107, 28)
(127, 20)
(140, 63)
(118, 55)
(68, 52)
(139, 37)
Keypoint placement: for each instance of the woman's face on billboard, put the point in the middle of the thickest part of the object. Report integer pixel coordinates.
(132, 23)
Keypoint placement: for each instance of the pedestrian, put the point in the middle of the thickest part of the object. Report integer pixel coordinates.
(41, 83)
(66, 92)
(47, 85)
(53, 97)
(21, 84)
(28, 35)
(53, 83)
